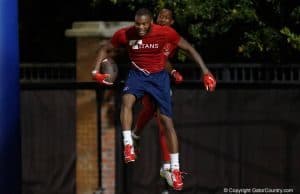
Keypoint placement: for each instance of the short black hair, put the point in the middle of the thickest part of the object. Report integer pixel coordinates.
(167, 9)
(144, 11)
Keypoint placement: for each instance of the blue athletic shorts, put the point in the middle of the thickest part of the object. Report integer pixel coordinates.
(156, 85)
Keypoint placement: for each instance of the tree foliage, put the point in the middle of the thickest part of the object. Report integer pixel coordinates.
(250, 29)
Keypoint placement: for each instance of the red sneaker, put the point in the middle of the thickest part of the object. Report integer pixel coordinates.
(129, 153)
(177, 179)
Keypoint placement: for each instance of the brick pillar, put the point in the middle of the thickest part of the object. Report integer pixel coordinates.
(108, 144)
(88, 35)
(86, 124)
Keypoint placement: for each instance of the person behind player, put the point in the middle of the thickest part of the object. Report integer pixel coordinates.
(164, 18)
(145, 42)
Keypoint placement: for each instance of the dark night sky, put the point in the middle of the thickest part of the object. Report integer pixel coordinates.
(42, 25)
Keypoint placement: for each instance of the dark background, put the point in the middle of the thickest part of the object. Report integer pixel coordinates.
(237, 138)
(43, 24)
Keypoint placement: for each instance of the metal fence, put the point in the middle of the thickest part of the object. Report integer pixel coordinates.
(224, 73)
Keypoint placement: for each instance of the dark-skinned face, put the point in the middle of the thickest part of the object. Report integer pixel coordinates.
(165, 18)
(143, 24)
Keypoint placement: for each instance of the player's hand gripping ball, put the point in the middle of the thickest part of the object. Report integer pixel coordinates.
(209, 82)
(108, 72)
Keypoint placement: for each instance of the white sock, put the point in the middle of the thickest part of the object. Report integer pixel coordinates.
(174, 161)
(166, 166)
(127, 139)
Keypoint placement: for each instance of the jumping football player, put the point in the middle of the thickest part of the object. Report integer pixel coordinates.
(145, 43)
(164, 18)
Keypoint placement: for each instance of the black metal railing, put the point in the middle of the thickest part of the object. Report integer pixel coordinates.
(30, 72)
(250, 73)
(224, 73)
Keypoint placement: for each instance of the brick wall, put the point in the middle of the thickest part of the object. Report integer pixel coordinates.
(86, 143)
(108, 146)
(87, 177)
(87, 35)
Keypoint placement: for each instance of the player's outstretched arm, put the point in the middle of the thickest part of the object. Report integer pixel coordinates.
(208, 79)
(186, 46)
(176, 76)
(102, 53)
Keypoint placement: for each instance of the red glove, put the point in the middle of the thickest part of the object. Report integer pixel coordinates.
(177, 77)
(209, 82)
(100, 78)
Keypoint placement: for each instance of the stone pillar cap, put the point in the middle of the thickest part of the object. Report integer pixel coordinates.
(104, 29)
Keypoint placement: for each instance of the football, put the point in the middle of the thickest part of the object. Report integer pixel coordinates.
(109, 66)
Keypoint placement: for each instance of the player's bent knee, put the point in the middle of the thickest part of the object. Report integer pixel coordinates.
(167, 121)
(165, 117)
